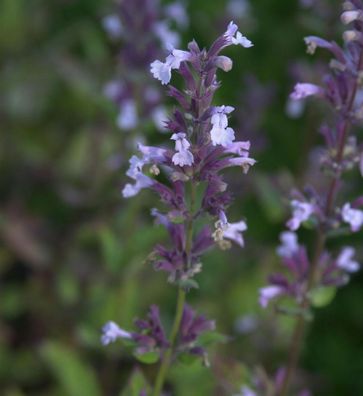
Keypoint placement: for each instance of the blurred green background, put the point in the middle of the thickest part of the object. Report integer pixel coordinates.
(72, 252)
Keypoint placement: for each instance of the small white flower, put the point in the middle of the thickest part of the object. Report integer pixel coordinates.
(111, 331)
(235, 37)
(222, 136)
(301, 211)
(135, 172)
(345, 262)
(220, 133)
(303, 90)
(182, 158)
(289, 244)
(268, 293)
(233, 231)
(354, 217)
(181, 143)
(242, 40)
(176, 57)
(127, 118)
(161, 71)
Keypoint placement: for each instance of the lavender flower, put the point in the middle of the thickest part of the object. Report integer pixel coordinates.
(303, 90)
(354, 217)
(301, 212)
(307, 275)
(111, 331)
(268, 293)
(345, 262)
(289, 245)
(204, 148)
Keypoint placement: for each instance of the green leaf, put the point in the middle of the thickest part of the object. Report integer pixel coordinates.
(212, 337)
(148, 357)
(188, 358)
(136, 384)
(74, 376)
(322, 296)
(111, 249)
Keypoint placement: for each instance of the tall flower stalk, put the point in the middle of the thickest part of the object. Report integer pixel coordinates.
(188, 180)
(312, 277)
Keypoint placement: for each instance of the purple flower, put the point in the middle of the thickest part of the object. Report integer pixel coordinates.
(268, 293)
(303, 90)
(233, 36)
(351, 16)
(289, 245)
(111, 331)
(354, 217)
(233, 231)
(345, 262)
(301, 211)
(141, 180)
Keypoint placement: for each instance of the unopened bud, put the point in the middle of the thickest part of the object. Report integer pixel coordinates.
(350, 16)
(352, 35)
(224, 63)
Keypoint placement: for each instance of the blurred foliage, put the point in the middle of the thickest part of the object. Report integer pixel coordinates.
(72, 252)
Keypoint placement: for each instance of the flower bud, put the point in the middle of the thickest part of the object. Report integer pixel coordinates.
(352, 35)
(224, 63)
(350, 16)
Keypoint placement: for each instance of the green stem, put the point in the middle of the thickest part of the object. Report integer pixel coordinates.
(160, 379)
(299, 330)
(166, 361)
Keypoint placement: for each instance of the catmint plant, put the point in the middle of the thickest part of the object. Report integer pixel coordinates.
(186, 174)
(144, 30)
(311, 275)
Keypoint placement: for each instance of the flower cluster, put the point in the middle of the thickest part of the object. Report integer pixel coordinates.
(187, 177)
(144, 29)
(204, 147)
(310, 279)
(340, 90)
(150, 335)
